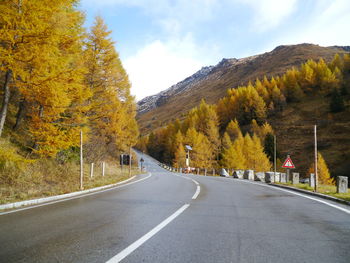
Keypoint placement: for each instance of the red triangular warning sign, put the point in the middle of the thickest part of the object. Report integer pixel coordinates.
(288, 163)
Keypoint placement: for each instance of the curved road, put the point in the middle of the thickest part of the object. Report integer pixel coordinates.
(167, 217)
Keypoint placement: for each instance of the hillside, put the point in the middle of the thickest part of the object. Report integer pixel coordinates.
(294, 130)
(211, 83)
(292, 121)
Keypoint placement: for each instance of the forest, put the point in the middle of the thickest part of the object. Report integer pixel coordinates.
(235, 133)
(58, 78)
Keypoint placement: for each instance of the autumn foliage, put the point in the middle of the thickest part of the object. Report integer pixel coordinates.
(58, 79)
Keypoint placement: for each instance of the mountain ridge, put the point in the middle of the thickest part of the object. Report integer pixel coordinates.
(211, 83)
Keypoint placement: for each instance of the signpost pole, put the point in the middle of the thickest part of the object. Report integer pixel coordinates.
(316, 174)
(188, 148)
(141, 161)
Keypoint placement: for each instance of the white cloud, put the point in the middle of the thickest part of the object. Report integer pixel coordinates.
(270, 13)
(327, 26)
(172, 54)
(159, 65)
(171, 15)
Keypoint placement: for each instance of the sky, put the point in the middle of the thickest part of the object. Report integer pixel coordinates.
(161, 42)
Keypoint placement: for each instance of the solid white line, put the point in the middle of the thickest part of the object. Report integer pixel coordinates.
(75, 197)
(197, 192)
(195, 182)
(127, 251)
(302, 195)
(127, 180)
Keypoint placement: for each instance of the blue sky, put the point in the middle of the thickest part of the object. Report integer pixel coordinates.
(161, 42)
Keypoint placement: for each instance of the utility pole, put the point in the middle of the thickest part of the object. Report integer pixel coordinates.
(316, 173)
(81, 160)
(274, 156)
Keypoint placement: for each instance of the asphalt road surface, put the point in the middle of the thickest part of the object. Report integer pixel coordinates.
(167, 217)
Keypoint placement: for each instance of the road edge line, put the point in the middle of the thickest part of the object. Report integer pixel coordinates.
(320, 195)
(302, 195)
(196, 193)
(198, 189)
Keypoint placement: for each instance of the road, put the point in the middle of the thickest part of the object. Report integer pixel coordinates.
(167, 217)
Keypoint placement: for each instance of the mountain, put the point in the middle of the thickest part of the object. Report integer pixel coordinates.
(151, 102)
(211, 83)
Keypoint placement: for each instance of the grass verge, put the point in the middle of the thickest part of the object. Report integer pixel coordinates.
(323, 189)
(45, 178)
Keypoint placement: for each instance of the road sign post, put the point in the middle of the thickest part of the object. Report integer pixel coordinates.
(188, 149)
(316, 173)
(141, 161)
(288, 164)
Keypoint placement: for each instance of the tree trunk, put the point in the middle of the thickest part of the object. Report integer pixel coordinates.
(5, 100)
(20, 114)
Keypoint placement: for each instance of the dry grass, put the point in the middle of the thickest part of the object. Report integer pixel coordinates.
(47, 178)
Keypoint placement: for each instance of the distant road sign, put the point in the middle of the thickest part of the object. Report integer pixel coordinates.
(288, 163)
(188, 148)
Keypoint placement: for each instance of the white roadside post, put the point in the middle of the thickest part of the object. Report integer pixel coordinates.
(92, 170)
(274, 157)
(188, 148)
(129, 161)
(81, 161)
(103, 168)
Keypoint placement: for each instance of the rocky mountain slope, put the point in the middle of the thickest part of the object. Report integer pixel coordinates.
(159, 99)
(211, 83)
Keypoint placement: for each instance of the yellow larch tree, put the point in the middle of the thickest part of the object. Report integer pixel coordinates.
(233, 130)
(201, 155)
(254, 154)
(112, 108)
(180, 154)
(233, 157)
(42, 41)
(226, 141)
(324, 176)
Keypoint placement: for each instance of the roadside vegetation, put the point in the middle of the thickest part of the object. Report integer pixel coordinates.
(46, 177)
(58, 79)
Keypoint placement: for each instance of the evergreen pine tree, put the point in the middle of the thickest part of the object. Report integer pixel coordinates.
(269, 146)
(337, 102)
